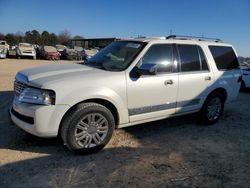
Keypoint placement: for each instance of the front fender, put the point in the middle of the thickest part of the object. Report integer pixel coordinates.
(83, 94)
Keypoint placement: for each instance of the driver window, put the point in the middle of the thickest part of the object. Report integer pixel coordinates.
(162, 56)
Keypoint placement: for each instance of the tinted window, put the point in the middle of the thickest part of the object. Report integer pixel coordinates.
(202, 59)
(224, 57)
(161, 55)
(190, 60)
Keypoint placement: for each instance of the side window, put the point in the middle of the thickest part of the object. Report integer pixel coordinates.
(204, 65)
(224, 57)
(161, 55)
(190, 60)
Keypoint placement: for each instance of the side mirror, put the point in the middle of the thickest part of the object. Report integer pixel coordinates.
(147, 69)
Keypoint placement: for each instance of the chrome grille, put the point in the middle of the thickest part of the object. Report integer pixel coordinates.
(19, 87)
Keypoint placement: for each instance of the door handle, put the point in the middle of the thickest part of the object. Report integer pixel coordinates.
(207, 78)
(168, 82)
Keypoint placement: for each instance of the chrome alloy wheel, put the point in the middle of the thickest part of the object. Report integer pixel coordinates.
(91, 130)
(214, 108)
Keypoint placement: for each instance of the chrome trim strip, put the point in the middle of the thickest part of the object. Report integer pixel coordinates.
(188, 103)
(147, 109)
(155, 108)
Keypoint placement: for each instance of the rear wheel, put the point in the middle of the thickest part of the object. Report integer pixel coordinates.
(212, 108)
(87, 128)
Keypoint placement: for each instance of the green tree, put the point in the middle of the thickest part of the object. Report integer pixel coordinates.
(11, 39)
(45, 38)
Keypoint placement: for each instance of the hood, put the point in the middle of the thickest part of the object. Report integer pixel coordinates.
(23, 48)
(50, 74)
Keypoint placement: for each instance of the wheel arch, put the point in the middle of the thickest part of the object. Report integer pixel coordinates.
(221, 90)
(109, 105)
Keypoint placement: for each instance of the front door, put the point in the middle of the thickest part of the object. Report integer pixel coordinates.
(154, 96)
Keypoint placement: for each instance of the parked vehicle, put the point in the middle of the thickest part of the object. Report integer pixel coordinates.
(128, 82)
(12, 52)
(50, 53)
(3, 52)
(25, 50)
(5, 44)
(70, 54)
(81, 52)
(4, 47)
(60, 48)
(90, 52)
(245, 78)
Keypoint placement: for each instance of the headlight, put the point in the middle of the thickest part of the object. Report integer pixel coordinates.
(37, 96)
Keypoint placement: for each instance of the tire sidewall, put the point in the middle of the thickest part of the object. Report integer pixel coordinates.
(203, 113)
(76, 117)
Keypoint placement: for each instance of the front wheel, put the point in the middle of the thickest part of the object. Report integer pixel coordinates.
(212, 109)
(87, 128)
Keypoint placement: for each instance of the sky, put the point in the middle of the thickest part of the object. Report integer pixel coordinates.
(225, 19)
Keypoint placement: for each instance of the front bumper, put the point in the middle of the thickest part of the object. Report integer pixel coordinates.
(39, 120)
(27, 54)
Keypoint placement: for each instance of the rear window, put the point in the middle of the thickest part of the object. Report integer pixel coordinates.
(224, 57)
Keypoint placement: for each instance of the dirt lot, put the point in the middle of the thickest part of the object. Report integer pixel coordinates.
(168, 153)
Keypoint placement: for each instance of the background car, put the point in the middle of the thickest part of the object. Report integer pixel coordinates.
(4, 47)
(50, 53)
(60, 48)
(245, 78)
(25, 49)
(70, 54)
(81, 52)
(12, 51)
(91, 52)
(5, 44)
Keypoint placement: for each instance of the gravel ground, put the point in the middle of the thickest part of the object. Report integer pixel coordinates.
(169, 153)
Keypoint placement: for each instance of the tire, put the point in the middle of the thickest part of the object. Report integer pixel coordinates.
(212, 109)
(87, 128)
(34, 57)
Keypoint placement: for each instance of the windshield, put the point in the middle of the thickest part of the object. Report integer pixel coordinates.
(117, 56)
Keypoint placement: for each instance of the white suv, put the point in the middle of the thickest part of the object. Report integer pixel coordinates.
(25, 49)
(127, 83)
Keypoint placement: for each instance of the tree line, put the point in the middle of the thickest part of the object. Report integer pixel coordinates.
(35, 37)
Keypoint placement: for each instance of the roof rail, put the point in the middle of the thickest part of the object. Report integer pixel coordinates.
(149, 37)
(183, 37)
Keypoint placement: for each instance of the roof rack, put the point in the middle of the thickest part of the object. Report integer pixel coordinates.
(183, 37)
(149, 37)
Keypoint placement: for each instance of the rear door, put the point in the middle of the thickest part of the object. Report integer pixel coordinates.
(194, 78)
